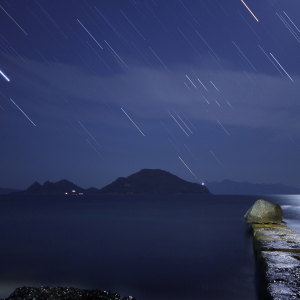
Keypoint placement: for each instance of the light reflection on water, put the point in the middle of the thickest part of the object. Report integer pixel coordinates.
(290, 205)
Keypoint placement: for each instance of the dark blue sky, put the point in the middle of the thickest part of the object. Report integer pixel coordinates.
(102, 89)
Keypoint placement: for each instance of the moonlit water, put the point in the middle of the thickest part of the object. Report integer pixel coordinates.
(290, 205)
(147, 246)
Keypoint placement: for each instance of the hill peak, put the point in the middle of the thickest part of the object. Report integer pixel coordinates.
(153, 181)
(60, 187)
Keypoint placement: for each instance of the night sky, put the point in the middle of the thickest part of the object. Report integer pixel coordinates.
(94, 90)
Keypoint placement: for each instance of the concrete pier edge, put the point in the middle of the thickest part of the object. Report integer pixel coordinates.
(277, 250)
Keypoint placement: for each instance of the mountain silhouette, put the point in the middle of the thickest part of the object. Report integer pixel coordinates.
(146, 181)
(60, 187)
(153, 181)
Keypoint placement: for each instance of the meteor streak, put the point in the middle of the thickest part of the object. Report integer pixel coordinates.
(189, 122)
(160, 60)
(223, 127)
(173, 145)
(188, 168)
(89, 34)
(189, 41)
(186, 86)
(132, 25)
(249, 25)
(183, 123)
(269, 58)
(214, 86)
(205, 99)
(21, 111)
(191, 81)
(107, 22)
(178, 123)
(95, 149)
(191, 152)
(13, 20)
(291, 21)
(98, 54)
(141, 53)
(202, 84)
(288, 27)
(293, 141)
(4, 76)
(243, 55)
(217, 102)
(282, 67)
(217, 159)
(190, 13)
(166, 128)
(250, 11)
(89, 134)
(116, 53)
(208, 45)
(132, 122)
(228, 103)
(249, 77)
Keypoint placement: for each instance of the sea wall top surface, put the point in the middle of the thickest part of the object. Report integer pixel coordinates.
(278, 252)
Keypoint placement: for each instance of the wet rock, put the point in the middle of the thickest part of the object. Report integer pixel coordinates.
(63, 293)
(264, 212)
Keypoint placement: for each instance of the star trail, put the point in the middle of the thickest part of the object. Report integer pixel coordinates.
(217, 82)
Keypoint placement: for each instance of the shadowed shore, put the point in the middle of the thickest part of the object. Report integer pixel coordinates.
(63, 293)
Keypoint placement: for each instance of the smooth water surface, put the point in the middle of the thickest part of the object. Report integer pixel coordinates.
(147, 246)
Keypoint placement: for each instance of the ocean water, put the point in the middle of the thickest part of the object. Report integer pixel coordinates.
(147, 246)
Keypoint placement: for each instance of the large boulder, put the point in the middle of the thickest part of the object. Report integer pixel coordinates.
(264, 212)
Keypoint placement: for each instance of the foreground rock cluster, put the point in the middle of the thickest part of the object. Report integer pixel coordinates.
(277, 249)
(63, 293)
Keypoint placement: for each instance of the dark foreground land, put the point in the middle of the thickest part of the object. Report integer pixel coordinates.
(63, 293)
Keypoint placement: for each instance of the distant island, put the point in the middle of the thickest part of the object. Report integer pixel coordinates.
(146, 181)
(155, 181)
(229, 187)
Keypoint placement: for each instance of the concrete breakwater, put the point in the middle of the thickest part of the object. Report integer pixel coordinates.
(277, 249)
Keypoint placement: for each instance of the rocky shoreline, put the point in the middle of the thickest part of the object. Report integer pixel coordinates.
(277, 250)
(63, 293)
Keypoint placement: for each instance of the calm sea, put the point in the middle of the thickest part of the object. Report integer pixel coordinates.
(150, 247)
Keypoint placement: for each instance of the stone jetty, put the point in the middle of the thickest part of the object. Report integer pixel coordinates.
(277, 249)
